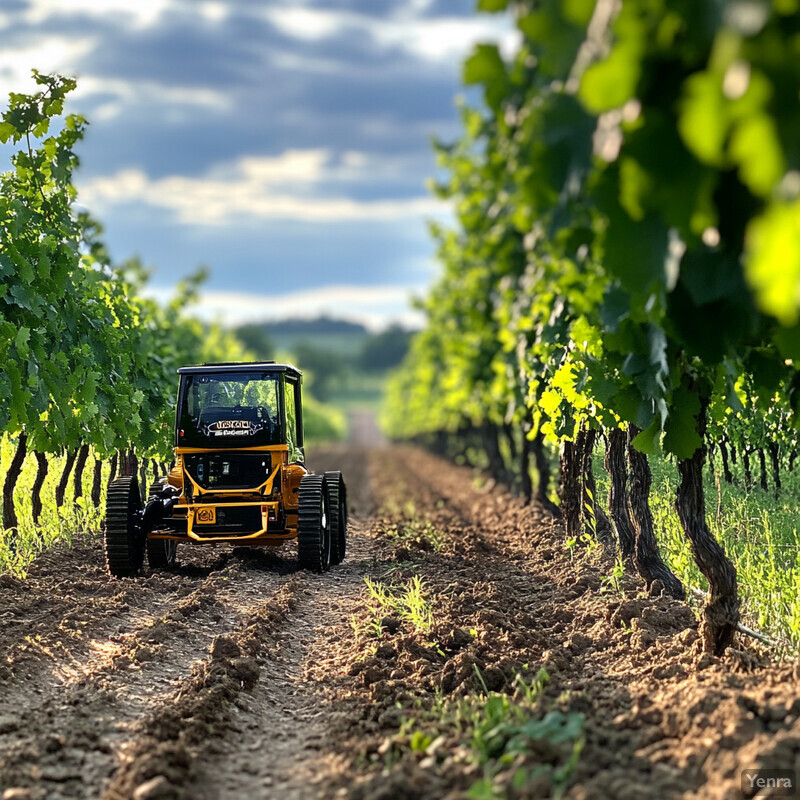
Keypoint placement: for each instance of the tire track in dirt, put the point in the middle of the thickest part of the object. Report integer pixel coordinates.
(84, 695)
(280, 739)
(110, 672)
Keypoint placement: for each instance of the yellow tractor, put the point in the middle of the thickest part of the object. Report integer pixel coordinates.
(239, 476)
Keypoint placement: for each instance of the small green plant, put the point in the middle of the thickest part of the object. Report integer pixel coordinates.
(504, 735)
(570, 546)
(407, 601)
(420, 534)
(612, 583)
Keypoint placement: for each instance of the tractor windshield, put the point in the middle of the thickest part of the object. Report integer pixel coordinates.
(233, 409)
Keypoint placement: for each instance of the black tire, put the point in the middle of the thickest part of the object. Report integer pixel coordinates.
(313, 524)
(161, 553)
(123, 539)
(337, 501)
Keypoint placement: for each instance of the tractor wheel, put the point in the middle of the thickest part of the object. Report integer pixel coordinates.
(313, 524)
(123, 540)
(337, 502)
(160, 552)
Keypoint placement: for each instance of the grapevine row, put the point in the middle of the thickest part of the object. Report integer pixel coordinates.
(624, 263)
(88, 363)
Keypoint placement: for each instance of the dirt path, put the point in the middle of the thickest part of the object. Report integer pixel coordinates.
(238, 676)
(280, 738)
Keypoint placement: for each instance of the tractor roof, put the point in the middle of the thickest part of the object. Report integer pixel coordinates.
(240, 366)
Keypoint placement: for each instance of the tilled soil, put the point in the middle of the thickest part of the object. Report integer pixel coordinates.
(235, 675)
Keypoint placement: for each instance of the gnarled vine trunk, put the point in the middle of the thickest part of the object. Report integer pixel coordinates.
(42, 466)
(617, 468)
(61, 489)
(80, 464)
(774, 457)
(721, 612)
(762, 463)
(748, 475)
(596, 520)
(97, 481)
(570, 489)
(128, 463)
(726, 469)
(143, 484)
(14, 469)
(543, 471)
(511, 441)
(112, 472)
(647, 557)
(526, 482)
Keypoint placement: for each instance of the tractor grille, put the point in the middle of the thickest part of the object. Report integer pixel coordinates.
(228, 470)
(236, 520)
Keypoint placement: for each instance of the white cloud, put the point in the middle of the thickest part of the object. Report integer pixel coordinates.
(53, 54)
(309, 24)
(445, 40)
(440, 40)
(213, 12)
(284, 187)
(173, 102)
(376, 307)
(140, 13)
(47, 54)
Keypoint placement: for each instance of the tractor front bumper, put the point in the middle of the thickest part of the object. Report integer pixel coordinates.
(254, 522)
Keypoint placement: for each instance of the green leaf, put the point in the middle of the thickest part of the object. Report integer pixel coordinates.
(704, 118)
(635, 250)
(492, 6)
(772, 266)
(766, 368)
(484, 65)
(609, 84)
(554, 36)
(21, 341)
(756, 147)
(788, 342)
(709, 275)
(647, 440)
(680, 432)
(7, 130)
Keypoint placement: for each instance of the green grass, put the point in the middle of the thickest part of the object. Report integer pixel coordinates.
(418, 533)
(64, 524)
(408, 601)
(758, 530)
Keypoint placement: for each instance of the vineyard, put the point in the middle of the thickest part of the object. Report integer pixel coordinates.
(573, 566)
(89, 362)
(624, 271)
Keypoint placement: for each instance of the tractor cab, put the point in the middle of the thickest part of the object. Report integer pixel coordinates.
(239, 475)
(233, 406)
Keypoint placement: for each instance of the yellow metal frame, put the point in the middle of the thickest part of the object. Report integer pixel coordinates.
(263, 488)
(266, 487)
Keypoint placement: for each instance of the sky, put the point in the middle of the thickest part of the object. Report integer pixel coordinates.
(284, 144)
